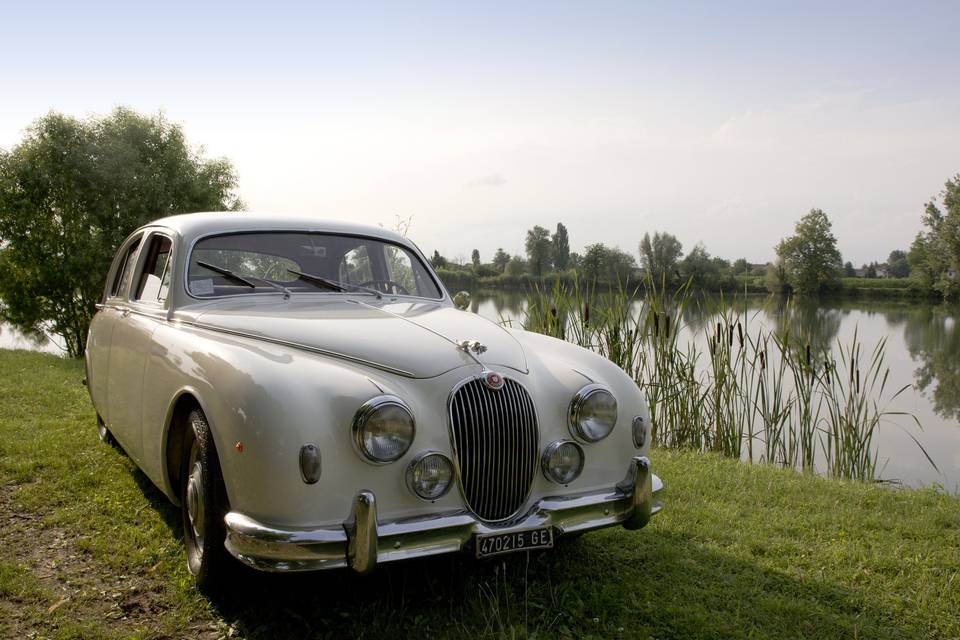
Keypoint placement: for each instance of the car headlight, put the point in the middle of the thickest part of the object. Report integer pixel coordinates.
(383, 429)
(593, 412)
(430, 475)
(562, 461)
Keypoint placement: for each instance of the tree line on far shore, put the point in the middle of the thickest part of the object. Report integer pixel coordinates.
(73, 189)
(807, 262)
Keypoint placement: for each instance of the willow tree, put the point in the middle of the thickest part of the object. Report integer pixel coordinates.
(71, 191)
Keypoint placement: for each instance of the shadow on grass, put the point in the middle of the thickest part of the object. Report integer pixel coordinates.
(654, 583)
(659, 585)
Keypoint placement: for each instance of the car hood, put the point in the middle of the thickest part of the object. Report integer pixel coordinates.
(415, 339)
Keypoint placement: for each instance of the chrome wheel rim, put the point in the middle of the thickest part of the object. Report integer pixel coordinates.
(102, 429)
(196, 500)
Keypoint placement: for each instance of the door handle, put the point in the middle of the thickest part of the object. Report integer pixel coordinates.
(124, 313)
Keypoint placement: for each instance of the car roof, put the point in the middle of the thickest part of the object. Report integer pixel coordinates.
(194, 225)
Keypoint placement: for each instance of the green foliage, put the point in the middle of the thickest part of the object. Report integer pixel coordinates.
(935, 254)
(561, 248)
(437, 261)
(500, 260)
(810, 256)
(606, 265)
(741, 266)
(897, 265)
(516, 266)
(71, 191)
(706, 272)
(475, 258)
(539, 251)
(848, 270)
(659, 256)
(776, 278)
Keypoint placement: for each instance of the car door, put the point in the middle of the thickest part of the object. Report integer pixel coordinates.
(103, 322)
(145, 308)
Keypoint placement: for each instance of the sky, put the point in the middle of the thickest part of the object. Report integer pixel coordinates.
(722, 123)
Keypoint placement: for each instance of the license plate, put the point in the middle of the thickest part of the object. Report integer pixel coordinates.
(493, 544)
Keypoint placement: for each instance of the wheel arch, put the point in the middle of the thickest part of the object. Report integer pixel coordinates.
(175, 427)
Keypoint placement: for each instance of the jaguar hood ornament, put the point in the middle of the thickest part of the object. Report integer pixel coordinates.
(474, 346)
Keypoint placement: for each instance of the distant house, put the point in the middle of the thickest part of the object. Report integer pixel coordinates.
(882, 271)
(860, 273)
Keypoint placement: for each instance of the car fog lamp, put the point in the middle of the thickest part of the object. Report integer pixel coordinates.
(562, 461)
(430, 475)
(639, 432)
(310, 463)
(383, 429)
(593, 413)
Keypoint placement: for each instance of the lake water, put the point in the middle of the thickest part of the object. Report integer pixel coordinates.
(922, 352)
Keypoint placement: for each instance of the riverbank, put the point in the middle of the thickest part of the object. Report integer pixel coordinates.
(89, 548)
(851, 288)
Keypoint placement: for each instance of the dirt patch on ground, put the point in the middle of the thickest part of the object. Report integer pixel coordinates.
(74, 588)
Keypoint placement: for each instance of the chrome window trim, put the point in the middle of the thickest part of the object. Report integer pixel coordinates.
(413, 249)
(576, 404)
(118, 263)
(361, 416)
(148, 237)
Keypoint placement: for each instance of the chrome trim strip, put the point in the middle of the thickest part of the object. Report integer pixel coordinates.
(362, 542)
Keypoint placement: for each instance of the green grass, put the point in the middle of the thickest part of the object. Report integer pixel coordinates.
(89, 549)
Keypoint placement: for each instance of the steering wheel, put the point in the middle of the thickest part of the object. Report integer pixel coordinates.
(386, 286)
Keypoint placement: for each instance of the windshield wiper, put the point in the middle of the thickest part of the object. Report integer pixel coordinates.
(334, 284)
(245, 280)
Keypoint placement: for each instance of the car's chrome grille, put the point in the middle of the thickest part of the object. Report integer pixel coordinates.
(496, 443)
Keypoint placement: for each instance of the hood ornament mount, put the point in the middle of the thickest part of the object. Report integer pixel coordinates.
(474, 346)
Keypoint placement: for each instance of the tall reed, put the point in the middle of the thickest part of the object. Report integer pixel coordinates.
(765, 395)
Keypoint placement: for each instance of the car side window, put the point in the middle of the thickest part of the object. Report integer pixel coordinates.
(355, 268)
(123, 270)
(154, 280)
(400, 269)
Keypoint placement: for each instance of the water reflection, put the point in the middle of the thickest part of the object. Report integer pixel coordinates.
(933, 339)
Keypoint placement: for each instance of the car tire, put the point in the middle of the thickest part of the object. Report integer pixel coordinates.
(203, 504)
(104, 433)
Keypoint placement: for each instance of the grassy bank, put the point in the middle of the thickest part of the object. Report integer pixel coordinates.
(88, 548)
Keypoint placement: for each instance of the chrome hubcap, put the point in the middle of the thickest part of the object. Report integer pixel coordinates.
(196, 503)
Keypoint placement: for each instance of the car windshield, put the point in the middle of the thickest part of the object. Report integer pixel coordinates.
(302, 262)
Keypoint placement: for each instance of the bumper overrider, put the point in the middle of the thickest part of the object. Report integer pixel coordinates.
(362, 541)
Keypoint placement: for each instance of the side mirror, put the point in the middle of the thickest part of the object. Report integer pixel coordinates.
(462, 301)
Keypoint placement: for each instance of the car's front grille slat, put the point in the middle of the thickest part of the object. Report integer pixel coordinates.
(496, 443)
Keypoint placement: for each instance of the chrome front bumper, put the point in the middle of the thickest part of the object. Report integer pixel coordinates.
(363, 542)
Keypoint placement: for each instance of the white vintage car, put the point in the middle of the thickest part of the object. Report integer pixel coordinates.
(313, 398)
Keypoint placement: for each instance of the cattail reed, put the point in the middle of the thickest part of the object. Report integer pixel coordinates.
(768, 401)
